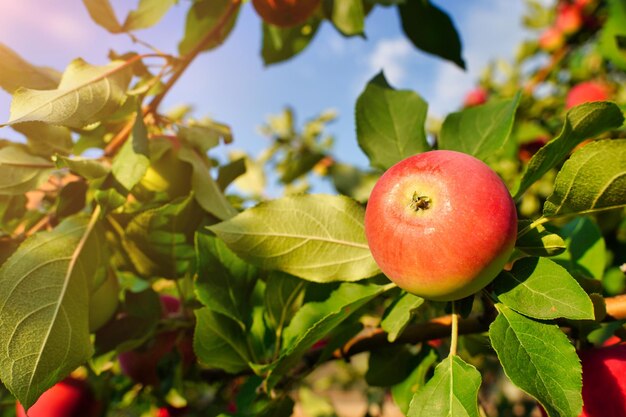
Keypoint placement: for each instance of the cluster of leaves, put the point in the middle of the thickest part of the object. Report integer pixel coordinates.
(273, 289)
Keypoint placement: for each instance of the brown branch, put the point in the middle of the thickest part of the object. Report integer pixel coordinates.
(543, 73)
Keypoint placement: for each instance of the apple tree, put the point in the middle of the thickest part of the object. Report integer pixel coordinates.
(161, 277)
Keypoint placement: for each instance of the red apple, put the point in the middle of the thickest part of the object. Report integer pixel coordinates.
(441, 224)
(141, 364)
(604, 382)
(569, 18)
(285, 13)
(71, 397)
(587, 92)
(476, 97)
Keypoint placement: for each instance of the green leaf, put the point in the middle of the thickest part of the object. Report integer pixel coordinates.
(398, 316)
(586, 249)
(396, 357)
(20, 171)
(44, 305)
(348, 17)
(205, 135)
(320, 238)
(404, 391)
(86, 95)
(593, 179)
(207, 192)
(581, 122)
(540, 360)
(542, 289)
(46, 140)
(452, 391)
(90, 169)
(147, 14)
(131, 163)
(480, 131)
(315, 320)
(220, 342)
(103, 14)
(225, 282)
(431, 30)
(390, 123)
(159, 241)
(613, 29)
(283, 298)
(15, 72)
(281, 44)
(202, 18)
(537, 240)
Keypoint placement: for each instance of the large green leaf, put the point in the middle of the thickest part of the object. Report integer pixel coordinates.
(398, 316)
(147, 14)
(404, 391)
(90, 169)
(481, 130)
(219, 342)
(86, 94)
(431, 30)
(537, 240)
(539, 359)
(390, 123)
(20, 171)
(283, 298)
(225, 282)
(44, 305)
(159, 241)
(612, 31)
(452, 391)
(46, 140)
(15, 72)
(315, 320)
(586, 249)
(316, 237)
(348, 16)
(593, 179)
(542, 289)
(202, 18)
(207, 192)
(281, 44)
(581, 122)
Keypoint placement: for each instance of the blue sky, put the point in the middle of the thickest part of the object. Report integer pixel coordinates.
(231, 85)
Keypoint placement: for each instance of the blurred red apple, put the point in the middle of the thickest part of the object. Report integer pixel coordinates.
(586, 92)
(476, 97)
(441, 224)
(71, 397)
(551, 39)
(569, 18)
(285, 13)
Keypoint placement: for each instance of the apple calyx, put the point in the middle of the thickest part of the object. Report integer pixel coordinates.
(419, 202)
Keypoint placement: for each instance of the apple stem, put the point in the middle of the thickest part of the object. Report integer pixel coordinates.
(455, 330)
(419, 202)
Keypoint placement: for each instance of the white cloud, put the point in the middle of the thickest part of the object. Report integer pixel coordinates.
(390, 55)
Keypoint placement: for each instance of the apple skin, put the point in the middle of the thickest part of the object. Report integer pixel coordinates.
(285, 13)
(103, 302)
(551, 39)
(476, 97)
(71, 397)
(459, 242)
(586, 92)
(141, 364)
(569, 18)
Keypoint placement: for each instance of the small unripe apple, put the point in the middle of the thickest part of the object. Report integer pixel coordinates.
(71, 397)
(476, 97)
(587, 92)
(103, 302)
(285, 13)
(441, 224)
(141, 364)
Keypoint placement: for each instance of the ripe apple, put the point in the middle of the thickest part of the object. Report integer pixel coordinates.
(587, 92)
(476, 97)
(569, 18)
(103, 302)
(71, 397)
(141, 364)
(441, 224)
(285, 13)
